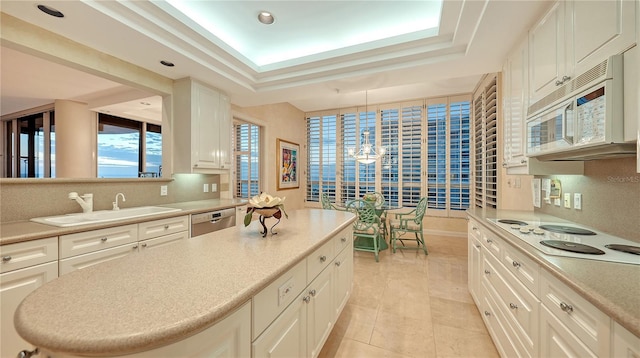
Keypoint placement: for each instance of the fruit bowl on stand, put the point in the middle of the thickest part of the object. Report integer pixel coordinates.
(266, 206)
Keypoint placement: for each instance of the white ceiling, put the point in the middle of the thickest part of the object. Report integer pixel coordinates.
(331, 52)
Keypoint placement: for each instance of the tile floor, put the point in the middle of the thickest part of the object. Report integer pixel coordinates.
(411, 305)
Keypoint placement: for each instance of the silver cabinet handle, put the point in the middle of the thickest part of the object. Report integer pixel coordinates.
(312, 293)
(489, 241)
(144, 245)
(166, 227)
(523, 161)
(487, 313)
(487, 272)
(323, 258)
(338, 263)
(306, 299)
(134, 247)
(6, 258)
(26, 354)
(565, 78)
(477, 246)
(513, 306)
(104, 239)
(516, 264)
(558, 83)
(475, 228)
(344, 239)
(566, 307)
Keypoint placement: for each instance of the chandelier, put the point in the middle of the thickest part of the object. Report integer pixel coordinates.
(367, 153)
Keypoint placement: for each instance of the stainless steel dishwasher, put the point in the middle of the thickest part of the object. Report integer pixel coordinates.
(211, 221)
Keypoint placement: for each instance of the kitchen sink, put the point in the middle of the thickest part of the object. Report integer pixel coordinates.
(102, 216)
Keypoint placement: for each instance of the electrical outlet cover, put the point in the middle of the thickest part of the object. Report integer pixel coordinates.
(557, 202)
(163, 190)
(205, 188)
(567, 200)
(577, 201)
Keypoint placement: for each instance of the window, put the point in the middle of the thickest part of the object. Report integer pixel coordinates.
(246, 144)
(30, 146)
(121, 151)
(427, 154)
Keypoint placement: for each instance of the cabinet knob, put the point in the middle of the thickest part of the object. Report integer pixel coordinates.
(166, 227)
(475, 228)
(523, 161)
(487, 272)
(565, 78)
(558, 83)
(323, 258)
(344, 239)
(477, 246)
(134, 247)
(516, 264)
(566, 307)
(144, 245)
(489, 241)
(312, 293)
(487, 313)
(306, 299)
(6, 258)
(26, 354)
(103, 239)
(337, 263)
(504, 164)
(513, 306)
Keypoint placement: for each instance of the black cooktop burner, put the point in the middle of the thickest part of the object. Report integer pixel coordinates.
(567, 230)
(624, 248)
(572, 247)
(511, 222)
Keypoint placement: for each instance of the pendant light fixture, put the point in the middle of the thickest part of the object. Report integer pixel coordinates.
(367, 153)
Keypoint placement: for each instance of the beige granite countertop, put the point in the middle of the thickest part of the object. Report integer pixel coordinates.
(18, 231)
(147, 300)
(613, 288)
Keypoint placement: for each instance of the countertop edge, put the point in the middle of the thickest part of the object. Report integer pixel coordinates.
(606, 305)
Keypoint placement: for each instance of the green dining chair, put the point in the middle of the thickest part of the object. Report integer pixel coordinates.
(407, 223)
(379, 203)
(326, 203)
(366, 228)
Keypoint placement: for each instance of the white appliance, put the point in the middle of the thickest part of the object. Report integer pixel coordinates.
(583, 119)
(599, 246)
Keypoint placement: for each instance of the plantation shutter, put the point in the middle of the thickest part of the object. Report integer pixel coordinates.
(437, 155)
(313, 157)
(389, 184)
(411, 159)
(348, 172)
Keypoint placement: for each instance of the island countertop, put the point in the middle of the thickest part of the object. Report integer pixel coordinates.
(148, 300)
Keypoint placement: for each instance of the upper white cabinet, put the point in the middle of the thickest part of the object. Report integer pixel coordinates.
(573, 37)
(202, 128)
(515, 103)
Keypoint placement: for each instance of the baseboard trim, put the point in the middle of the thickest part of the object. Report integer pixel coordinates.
(445, 233)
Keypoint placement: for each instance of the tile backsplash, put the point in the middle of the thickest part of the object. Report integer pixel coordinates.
(22, 199)
(610, 197)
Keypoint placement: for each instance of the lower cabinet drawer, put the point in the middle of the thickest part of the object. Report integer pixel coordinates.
(343, 239)
(163, 241)
(94, 258)
(156, 228)
(319, 259)
(522, 267)
(28, 253)
(581, 318)
(89, 241)
(557, 340)
(273, 299)
(497, 325)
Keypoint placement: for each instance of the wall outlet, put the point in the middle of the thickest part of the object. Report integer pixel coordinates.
(557, 202)
(284, 291)
(163, 190)
(577, 201)
(214, 187)
(205, 188)
(567, 200)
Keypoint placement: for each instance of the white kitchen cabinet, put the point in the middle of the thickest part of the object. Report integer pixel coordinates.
(34, 264)
(574, 36)
(157, 228)
(343, 279)
(474, 261)
(228, 338)
(161, 241)
(320, 313)
(79, 262)
(94, 240)
(515, 104)
(202, 128)
(624, 343)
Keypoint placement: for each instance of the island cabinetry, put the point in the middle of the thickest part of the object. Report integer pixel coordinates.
(302, 328)
(202, 129)
(25, 267)
(624, 343)
(569, 318)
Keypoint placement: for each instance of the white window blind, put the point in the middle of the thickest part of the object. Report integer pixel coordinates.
(437, 156)
(411, 149)
(390, 185)
(460, 170)
(485, 119)
(348, 169)
(321, 156)
(246, 144)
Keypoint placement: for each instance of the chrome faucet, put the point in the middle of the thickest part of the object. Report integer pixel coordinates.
(85, 201)
(115, 203)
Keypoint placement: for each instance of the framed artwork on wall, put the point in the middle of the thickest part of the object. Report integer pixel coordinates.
(288, 156)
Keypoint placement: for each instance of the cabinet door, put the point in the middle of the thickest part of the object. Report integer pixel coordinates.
(601, 29)
(205, 107)
(625, 344)
(287, 335)
(475, 264)
(547, 53)
(342, 280)
(224, 130)
(14, 287)
(320, 314)
(515, 107)
(556, 340)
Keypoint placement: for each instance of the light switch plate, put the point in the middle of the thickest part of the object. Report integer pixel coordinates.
(163, 190)
(205, 188)
(556, 201)
(577, 201)
(214, 187)
(567, 200)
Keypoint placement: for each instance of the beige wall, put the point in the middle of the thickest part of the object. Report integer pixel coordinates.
(280, 121)
(76, 140)
(23, 199)
(610, 197)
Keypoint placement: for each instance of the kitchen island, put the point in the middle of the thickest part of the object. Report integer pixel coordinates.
(141, 302)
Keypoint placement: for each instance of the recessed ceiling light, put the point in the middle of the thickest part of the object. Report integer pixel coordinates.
(167, 63)
(266, 17)
(50, 11)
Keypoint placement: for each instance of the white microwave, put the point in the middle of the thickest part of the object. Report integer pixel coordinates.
(585, 123)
